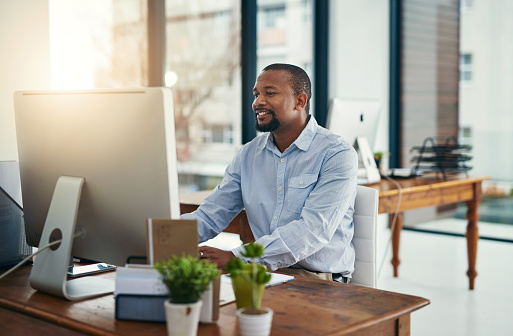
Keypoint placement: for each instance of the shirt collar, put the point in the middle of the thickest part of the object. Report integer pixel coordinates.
(304, 139)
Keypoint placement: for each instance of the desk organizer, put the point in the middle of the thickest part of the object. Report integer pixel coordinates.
(444, 156)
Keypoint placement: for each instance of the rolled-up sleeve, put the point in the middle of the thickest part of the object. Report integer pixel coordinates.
(220, 206)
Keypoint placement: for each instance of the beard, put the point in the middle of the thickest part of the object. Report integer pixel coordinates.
(270, 126)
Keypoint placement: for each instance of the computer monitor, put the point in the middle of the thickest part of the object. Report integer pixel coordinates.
(356, 120)
(103, 159)
(352, 118)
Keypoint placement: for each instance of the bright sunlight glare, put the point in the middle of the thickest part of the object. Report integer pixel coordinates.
(72, 58)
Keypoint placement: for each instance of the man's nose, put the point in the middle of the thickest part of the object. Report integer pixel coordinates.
(259, 101)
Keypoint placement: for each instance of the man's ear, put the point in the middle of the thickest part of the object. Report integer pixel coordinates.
(301, 100)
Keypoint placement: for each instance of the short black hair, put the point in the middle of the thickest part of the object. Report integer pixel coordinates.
(299, 80)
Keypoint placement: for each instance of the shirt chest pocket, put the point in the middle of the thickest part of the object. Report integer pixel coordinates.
(298, 190)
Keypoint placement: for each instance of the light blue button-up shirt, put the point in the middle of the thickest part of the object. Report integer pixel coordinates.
(299, 203)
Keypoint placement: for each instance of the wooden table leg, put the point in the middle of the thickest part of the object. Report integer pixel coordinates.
(473, 233)
(396, 237)
(403, 325)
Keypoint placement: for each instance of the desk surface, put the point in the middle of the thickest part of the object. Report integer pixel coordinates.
(301, 307)
(428, 181)
(429, 190)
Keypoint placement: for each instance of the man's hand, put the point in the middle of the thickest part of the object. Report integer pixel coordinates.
(215, 256)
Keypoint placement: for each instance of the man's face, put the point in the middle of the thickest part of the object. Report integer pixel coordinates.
(274, 103)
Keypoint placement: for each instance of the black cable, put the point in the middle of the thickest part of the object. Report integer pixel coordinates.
(39, 250)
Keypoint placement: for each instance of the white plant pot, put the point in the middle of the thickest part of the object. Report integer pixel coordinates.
(182, 318)
(251, 324)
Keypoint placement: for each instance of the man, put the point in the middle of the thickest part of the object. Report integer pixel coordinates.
(297, 183)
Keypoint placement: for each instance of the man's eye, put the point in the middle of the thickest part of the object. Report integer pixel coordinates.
(255, 95)
(271, 93)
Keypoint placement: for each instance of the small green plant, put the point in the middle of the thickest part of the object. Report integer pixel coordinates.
(186, 278)
(248, 280)
(377, 157)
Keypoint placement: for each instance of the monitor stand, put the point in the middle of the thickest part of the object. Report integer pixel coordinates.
(49, 273)
(370, 171)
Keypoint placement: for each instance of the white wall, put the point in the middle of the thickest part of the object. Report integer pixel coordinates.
(359, 55)
(359, 68)
(24, 61)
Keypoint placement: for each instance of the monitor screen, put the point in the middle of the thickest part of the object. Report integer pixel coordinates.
(122, 142)
(352, 118)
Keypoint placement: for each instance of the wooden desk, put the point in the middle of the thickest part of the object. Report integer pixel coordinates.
(301, 307)
(417, 192)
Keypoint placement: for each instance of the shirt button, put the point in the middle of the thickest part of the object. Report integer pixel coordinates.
(280, 189)
(275, 217)
(282, 160)
(302, 182)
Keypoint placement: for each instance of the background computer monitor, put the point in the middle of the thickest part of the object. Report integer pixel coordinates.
(122, 142)
(352, 118)
(356, 120)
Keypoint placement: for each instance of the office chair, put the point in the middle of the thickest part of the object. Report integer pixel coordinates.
(365, 226)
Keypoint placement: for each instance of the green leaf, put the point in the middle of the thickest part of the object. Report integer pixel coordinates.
(253, 275)
(234, 265)
(253, 250)
(186, 278)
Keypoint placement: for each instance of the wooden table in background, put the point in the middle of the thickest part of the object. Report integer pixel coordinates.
(418, 192)
(301, 307)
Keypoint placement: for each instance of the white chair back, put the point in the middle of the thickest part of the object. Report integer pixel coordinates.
(365, 220)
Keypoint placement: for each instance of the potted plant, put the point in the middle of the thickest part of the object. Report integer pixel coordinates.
(248, 282)
(186, 279)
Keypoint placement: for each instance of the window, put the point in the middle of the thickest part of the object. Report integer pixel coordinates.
(220, 134)
(104, 44)
(98, 44)
(284, 33)
(485, 107)
(484, 119)
(203, 69)
(466, 68)
(273, 17)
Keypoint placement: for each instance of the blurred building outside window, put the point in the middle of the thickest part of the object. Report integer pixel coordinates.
(486, 106)
(285, 33)
(203, 69)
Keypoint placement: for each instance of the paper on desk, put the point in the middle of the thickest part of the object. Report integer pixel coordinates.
(140, 279)
(226, 293)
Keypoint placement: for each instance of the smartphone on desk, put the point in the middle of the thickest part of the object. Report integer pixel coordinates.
(77, 271)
